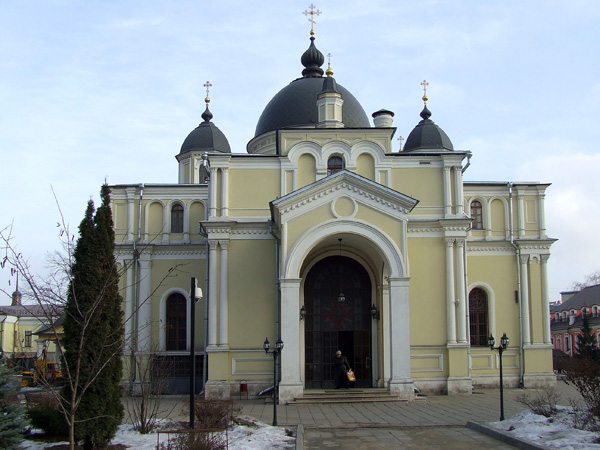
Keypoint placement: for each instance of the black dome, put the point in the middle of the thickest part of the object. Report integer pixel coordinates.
(206, 137)
(296, 104)
(427, 136)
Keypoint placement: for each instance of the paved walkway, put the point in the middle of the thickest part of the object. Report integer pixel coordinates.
(437, 421)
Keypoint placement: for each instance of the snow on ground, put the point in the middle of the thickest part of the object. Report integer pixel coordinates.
(258, 437)
(554, 432)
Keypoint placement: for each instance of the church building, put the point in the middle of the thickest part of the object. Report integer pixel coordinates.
(323, 236)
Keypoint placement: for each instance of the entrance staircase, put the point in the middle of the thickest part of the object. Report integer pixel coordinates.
(359, 395)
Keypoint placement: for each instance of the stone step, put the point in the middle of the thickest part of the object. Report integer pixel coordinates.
(322, 396)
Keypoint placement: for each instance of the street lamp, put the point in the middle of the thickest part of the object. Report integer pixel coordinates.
(275, 352)
(500, 348)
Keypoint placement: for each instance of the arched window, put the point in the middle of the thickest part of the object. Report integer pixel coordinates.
(334, 164)
(176, 322)
(477, 215)
(177, 218)
(478, 317)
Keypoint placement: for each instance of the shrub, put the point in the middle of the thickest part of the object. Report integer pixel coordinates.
(583, 373)
(542, 402)
(213, 413)
(195, 440)
(48, 419)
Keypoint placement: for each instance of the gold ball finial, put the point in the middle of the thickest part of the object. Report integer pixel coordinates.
(329, 71)
(207, 85)
(424, 83)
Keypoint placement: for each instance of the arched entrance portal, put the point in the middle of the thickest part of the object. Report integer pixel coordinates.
(331, 325)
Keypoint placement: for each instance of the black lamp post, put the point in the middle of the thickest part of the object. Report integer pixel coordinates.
(275, 352)
(500, 348)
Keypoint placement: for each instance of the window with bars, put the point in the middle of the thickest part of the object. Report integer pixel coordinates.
(334, 164)
(176, 322)
(478, 317)
(177, 218)
(477, 215)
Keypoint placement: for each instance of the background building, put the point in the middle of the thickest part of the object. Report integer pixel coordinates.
(325, 236)
(567, 317)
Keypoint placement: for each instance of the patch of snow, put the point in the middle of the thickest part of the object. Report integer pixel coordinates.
(257, 436)
(554, 432)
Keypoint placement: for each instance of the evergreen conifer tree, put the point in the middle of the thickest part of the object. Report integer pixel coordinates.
(12, 415)
(93, 331)
(587, 345)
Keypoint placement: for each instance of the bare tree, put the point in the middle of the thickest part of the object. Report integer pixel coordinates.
(590, 279)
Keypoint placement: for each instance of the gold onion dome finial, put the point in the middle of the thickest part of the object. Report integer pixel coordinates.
(207, 115)
(312, 13)
(329, 71)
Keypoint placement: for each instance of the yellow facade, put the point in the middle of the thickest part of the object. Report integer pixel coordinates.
(326, 238)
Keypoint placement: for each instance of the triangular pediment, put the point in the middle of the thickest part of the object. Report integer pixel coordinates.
(342, 184)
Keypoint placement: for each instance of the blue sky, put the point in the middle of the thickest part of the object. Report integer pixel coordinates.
(98, 89)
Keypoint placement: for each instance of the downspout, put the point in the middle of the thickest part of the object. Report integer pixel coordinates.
(467, 164)
(518, 253)
(136, 268)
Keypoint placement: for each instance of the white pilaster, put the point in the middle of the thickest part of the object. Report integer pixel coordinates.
(460, 292)
(223, 300)
(524, 260)
(130, 192)
(545, 301)
(224, 192)
(521, 215)
(291, 385)
(447, 192)
(145, 306)
(212, 200)
(458, 194)
(542, 214)
(212, 293)
(450, 306)
(129, 322)
(386, 324)
(400, 382)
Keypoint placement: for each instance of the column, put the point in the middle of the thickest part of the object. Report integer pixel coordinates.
(521, 215)
(144, 306)
(542, 214)
(460, 292)
(400, 382)
(129, 323)
(458, 186)
(450, 306)
(212, 293)
(447, 192)
(212, 199)
(223, 300)
(545, 301)
(524, 260)
(291, 385)
(130, 192)
(224, 197)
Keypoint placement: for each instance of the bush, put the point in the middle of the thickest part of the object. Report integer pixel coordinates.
(583, 373)
(214, 413)
(195, 440)
(48, 419)
(542, 403)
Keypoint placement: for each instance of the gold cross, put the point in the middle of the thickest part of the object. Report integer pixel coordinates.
(207, 85)
(424, 83)
(401, 139)
(312, 14)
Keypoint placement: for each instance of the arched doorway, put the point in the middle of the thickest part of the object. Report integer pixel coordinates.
(331, 325)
